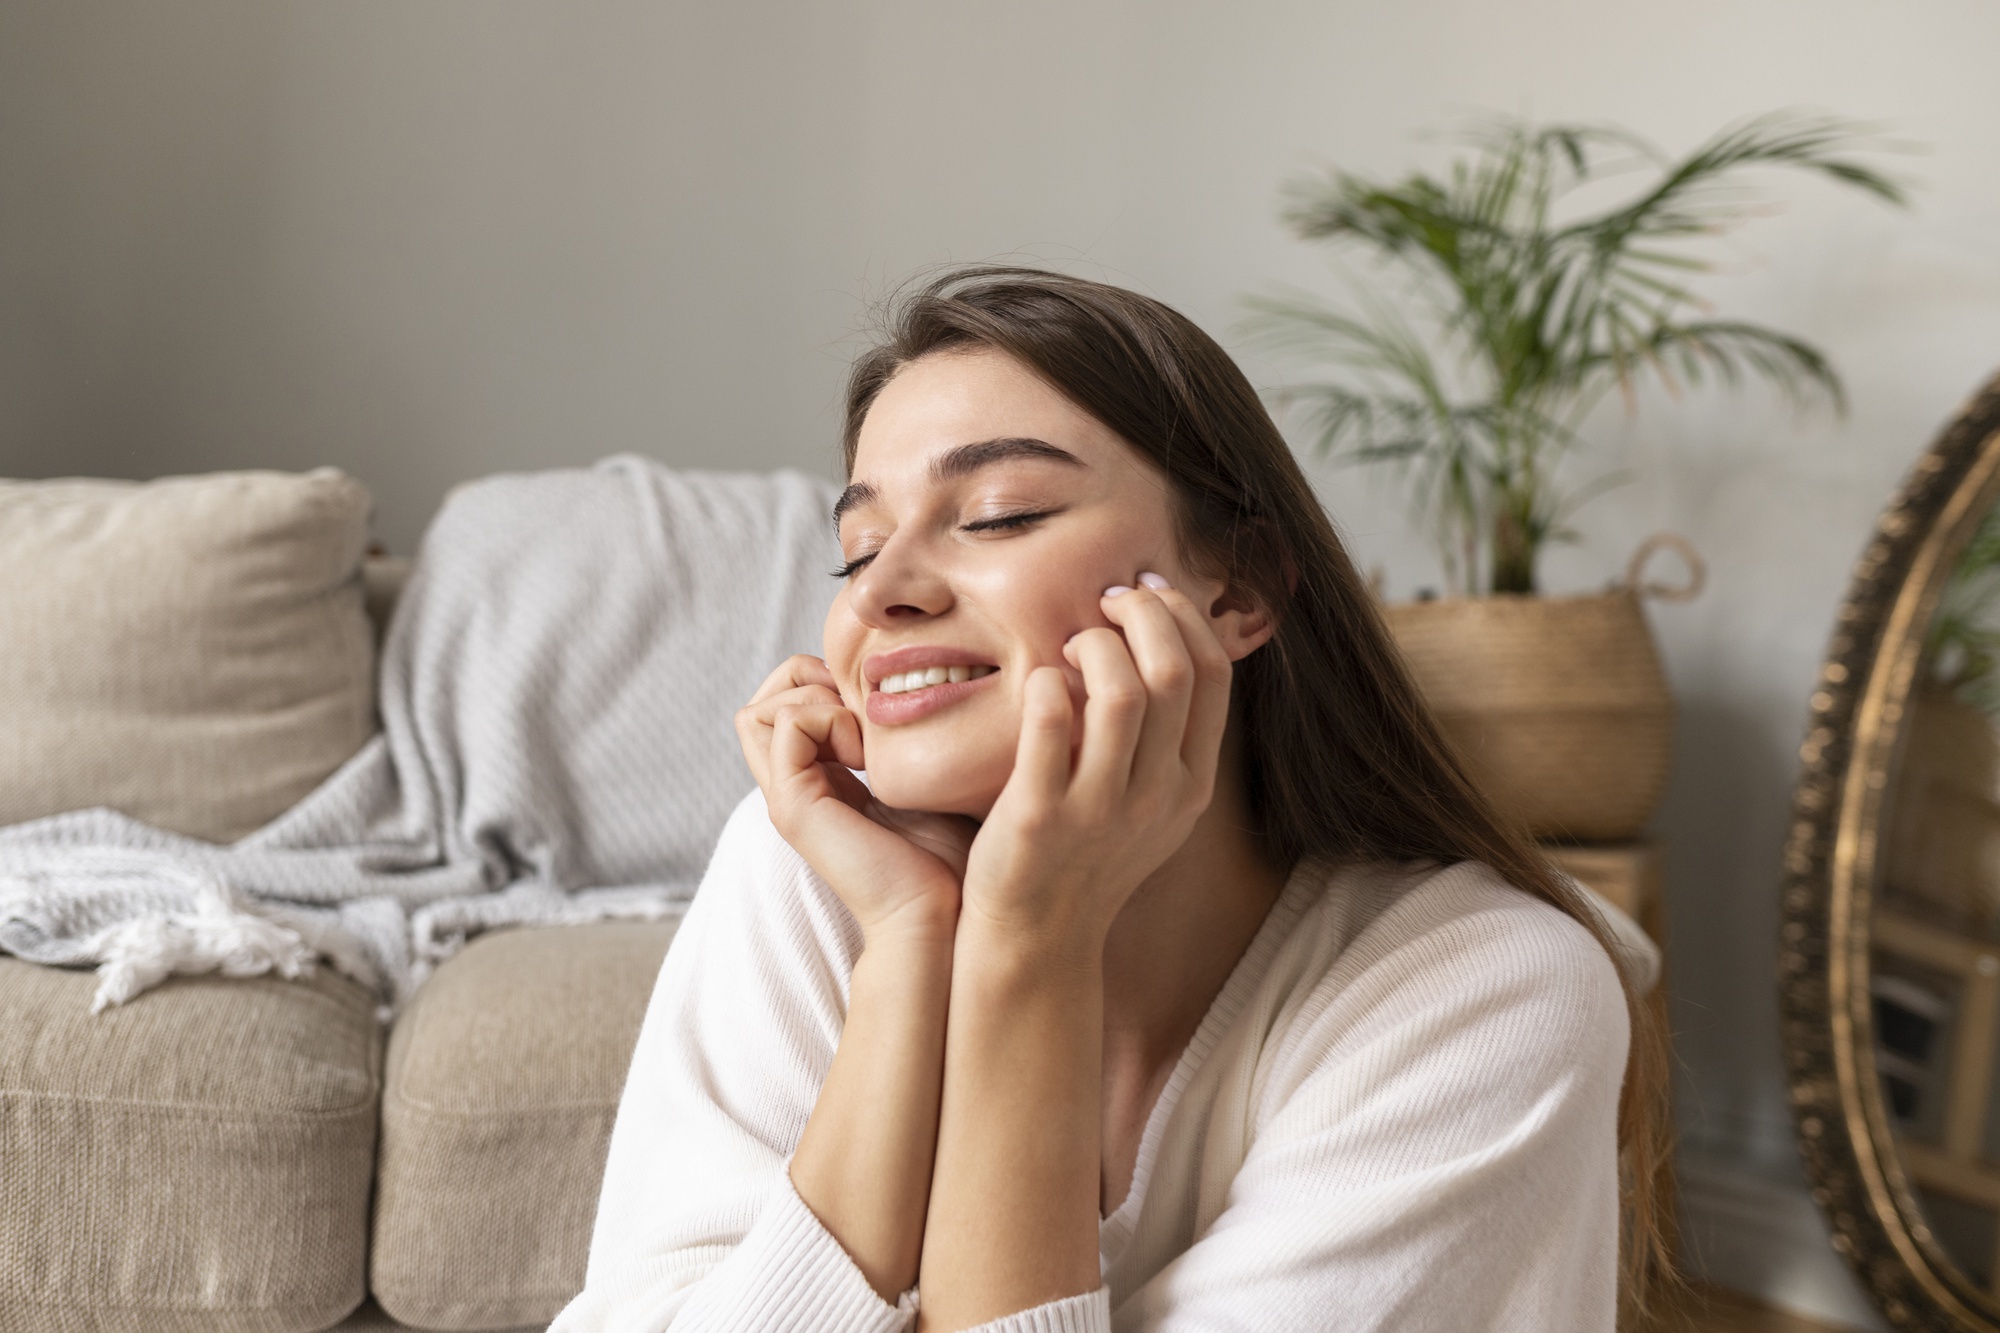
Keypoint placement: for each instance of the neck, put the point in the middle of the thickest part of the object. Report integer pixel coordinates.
(1180, 935)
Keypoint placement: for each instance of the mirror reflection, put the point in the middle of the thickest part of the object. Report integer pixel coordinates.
(1935, 941)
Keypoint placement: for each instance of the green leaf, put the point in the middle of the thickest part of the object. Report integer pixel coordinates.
(1527, 320)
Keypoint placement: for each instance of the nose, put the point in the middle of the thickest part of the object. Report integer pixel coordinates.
(898, 587)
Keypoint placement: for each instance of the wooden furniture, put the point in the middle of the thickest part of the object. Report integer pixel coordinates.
(1956, 1165)
(1628, 875)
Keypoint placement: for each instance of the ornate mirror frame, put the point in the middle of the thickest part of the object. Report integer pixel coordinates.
(1850, 750)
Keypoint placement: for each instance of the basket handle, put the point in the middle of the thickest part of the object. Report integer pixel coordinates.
(1697, 569)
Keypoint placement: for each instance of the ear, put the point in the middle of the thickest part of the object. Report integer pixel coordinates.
(1242, 623)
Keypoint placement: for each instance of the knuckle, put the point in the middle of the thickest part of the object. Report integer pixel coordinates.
(1175, 676)
(1048, 717)
(1123, 697)
(1037, 817)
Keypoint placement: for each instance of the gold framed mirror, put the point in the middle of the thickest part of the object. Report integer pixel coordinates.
(1889, 960)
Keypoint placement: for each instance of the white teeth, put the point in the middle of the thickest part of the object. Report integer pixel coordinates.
(906, 681)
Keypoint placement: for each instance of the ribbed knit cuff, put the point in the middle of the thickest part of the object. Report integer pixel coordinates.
(1089, 1313)
(790, 1273)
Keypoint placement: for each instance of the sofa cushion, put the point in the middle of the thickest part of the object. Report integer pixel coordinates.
(502, 1081)
(191, 651)
(196, 1160)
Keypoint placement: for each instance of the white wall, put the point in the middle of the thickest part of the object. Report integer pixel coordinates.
(424, 242)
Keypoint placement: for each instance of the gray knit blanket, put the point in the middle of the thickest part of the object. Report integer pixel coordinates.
(557, 687)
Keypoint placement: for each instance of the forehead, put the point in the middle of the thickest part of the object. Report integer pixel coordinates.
(948, 399)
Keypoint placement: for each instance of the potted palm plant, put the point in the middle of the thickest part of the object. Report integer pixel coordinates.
(1527, 310)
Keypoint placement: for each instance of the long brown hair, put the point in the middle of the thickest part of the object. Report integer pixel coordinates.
(1342, 759)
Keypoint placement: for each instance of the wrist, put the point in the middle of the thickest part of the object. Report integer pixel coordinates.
(923, 926)
(1002, 956)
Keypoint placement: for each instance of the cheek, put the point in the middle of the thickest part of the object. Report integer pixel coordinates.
(840, 648)
(1040, 602)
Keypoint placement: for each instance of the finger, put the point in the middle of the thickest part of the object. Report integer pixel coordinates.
(842, 745)
(1114, 712)
(1160, 652)
(1041, 757)
(797, 696)
(753, 722)
(753, 737)
(850, 788)
(798, 669)
(806, 735)
(1208, 702)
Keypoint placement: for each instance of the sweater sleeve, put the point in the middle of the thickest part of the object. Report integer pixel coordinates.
(1088, 1313)
(698, 1226)
(1433, 1145)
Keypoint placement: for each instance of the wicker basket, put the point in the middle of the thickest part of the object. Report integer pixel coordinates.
(1557, 705)
(1944, 829)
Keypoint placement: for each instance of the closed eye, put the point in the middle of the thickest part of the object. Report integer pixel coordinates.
(1005, 522)
(998, 523)
(853, 567)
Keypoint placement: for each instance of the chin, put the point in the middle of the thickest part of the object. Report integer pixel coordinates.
(945, 783)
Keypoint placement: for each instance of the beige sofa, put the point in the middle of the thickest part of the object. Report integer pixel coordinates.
(260, 1155)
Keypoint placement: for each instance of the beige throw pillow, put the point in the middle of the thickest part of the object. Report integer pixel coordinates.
(498, 1096)
(192, 651)
(196, 1161)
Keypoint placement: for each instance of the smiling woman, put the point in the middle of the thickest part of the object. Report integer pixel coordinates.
(991, 553)
(1166, 972)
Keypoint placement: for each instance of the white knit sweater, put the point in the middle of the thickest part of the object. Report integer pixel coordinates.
(1398, 1114)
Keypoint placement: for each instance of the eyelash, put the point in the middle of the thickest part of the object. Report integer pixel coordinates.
(1004, 523)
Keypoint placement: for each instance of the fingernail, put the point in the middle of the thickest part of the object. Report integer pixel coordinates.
(1119, 589)
(1153, 581)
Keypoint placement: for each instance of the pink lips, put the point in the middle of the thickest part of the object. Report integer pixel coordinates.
(893, 709)
(889, 709)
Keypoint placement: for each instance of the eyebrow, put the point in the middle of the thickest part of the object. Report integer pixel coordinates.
(965, 459)
(962, 461)
(860, 493)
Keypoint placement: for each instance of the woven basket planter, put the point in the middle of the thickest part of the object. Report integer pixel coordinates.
(1557, 705)
(1944, 832)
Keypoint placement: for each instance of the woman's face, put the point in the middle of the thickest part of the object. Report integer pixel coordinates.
(986, 517)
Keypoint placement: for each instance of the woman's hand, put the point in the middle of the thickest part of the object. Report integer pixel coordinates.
(1015, 1198)
(1067, 842)
(890, 867)
(863, 1163)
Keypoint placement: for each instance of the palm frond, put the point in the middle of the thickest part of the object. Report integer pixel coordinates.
(1532, 320)
(1734, 351)
(1676, 206)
